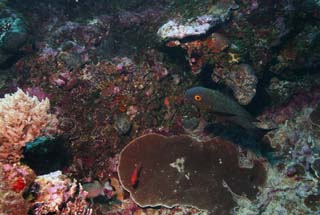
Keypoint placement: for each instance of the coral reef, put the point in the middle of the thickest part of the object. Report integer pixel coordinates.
(187, 173)
(115, 71)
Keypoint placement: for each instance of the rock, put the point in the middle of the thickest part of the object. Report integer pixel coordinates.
(122, 124)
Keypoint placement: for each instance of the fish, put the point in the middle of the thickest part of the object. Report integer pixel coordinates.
(134, 180)
(94, 189)
(223, 107)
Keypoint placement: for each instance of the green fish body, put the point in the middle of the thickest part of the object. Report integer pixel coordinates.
(220, 105)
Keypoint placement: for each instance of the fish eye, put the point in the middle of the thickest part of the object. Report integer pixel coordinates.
(197, 98)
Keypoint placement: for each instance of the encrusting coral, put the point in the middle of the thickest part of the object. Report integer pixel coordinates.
(23, 118)
(177, 170)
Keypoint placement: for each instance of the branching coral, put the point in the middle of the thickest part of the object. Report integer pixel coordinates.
(22, 118)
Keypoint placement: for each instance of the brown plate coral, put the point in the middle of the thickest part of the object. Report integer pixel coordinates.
(181, 171)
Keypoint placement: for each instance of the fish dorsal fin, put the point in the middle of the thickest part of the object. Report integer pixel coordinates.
(225, 114)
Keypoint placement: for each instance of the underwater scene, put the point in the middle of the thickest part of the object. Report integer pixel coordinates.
(159, 107)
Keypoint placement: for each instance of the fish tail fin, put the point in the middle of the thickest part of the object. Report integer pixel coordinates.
(259, 133)
(263, 145)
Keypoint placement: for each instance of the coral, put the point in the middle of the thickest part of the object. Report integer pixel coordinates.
(281, 91)
(279, 195)
(175, 30)
(85, 34)
(315, 116)
(179, 29)
(201, 52)
(57, 194)
(122, 124)
(313, 202)
(15, 178)
(293, 179)
(297, 101)
(13, 33)
(316, 167)
(240, 78)
(181, 171)
(37, 92)
(23, 118)
(300, 52)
